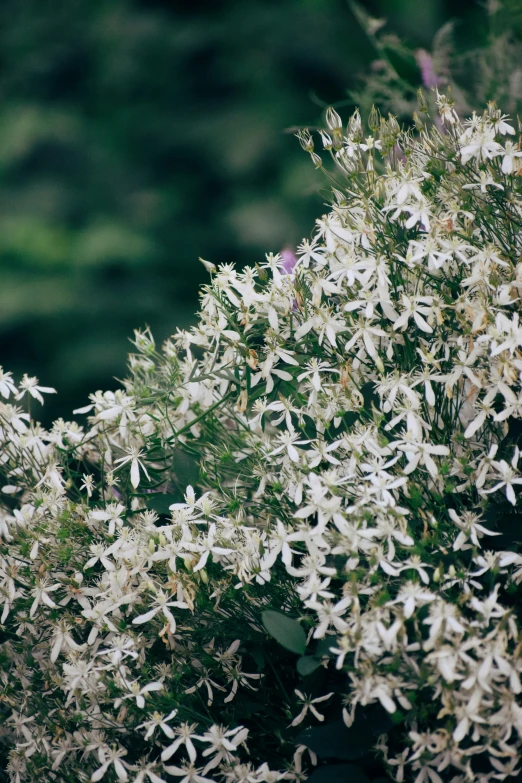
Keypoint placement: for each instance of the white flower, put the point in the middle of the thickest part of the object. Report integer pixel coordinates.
(41, 594)
(485, 179)
(110, 757)
(511, 153)
(207, 547)
(416, 307)
(370, 144)
(508, 477)
(420, 453)
(63, 638)
(147, 771)
(138, 692)
(189, 774)
(223, 744)
(329, 614)
(158, 721)
(289, 440)
(279, 544)
(7, 386)
(120, 407)
(470, 528)
(482, 146)
(308, 704)
(101, 554)
(410, 596)
(134, 457)
(162, 601)
(30, 384)
(469, 714)
(112, 514)
(120, 647)
(87, 484)
(503, 127)
(185, 734)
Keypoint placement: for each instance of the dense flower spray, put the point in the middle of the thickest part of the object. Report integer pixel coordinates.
(350, 425)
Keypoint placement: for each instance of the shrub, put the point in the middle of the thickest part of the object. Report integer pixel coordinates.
(338, 595)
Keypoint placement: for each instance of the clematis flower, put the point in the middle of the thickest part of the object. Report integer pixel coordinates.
(30, 385)
(309, 704)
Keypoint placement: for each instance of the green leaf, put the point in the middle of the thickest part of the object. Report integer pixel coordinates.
(337, 741)
(285, 630)
(370, 396)
(258, 656)
(185, 469)
(404, 64)
(323, 647)
(307, 664)
(160, 502)
(338, 773)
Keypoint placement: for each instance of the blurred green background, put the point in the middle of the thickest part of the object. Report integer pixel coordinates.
(137, 136)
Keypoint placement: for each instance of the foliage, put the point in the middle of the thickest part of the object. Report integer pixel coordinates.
(476, 63)
(132, 142)
(335, 595)
(137, 135)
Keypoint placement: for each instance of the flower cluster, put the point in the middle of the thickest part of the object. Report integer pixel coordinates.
(349, 420)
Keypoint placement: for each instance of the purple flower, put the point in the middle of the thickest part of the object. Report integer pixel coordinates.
(425, 63)
(289, 260)
(399, 154)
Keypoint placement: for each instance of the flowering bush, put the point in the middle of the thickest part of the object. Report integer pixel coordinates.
(337, 597)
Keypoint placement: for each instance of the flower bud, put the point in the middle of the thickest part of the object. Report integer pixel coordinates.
(373, 120)
(355, 127)
(393, 126)
(242, 401)
(305, 140)
(421, 100)
(385, 136)
(261, 273)
(144, 341)
(333, 120)
(418, 122)
(337, 139)
(252, 357)
(317, 293)
(209, 266)
(326, 139)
